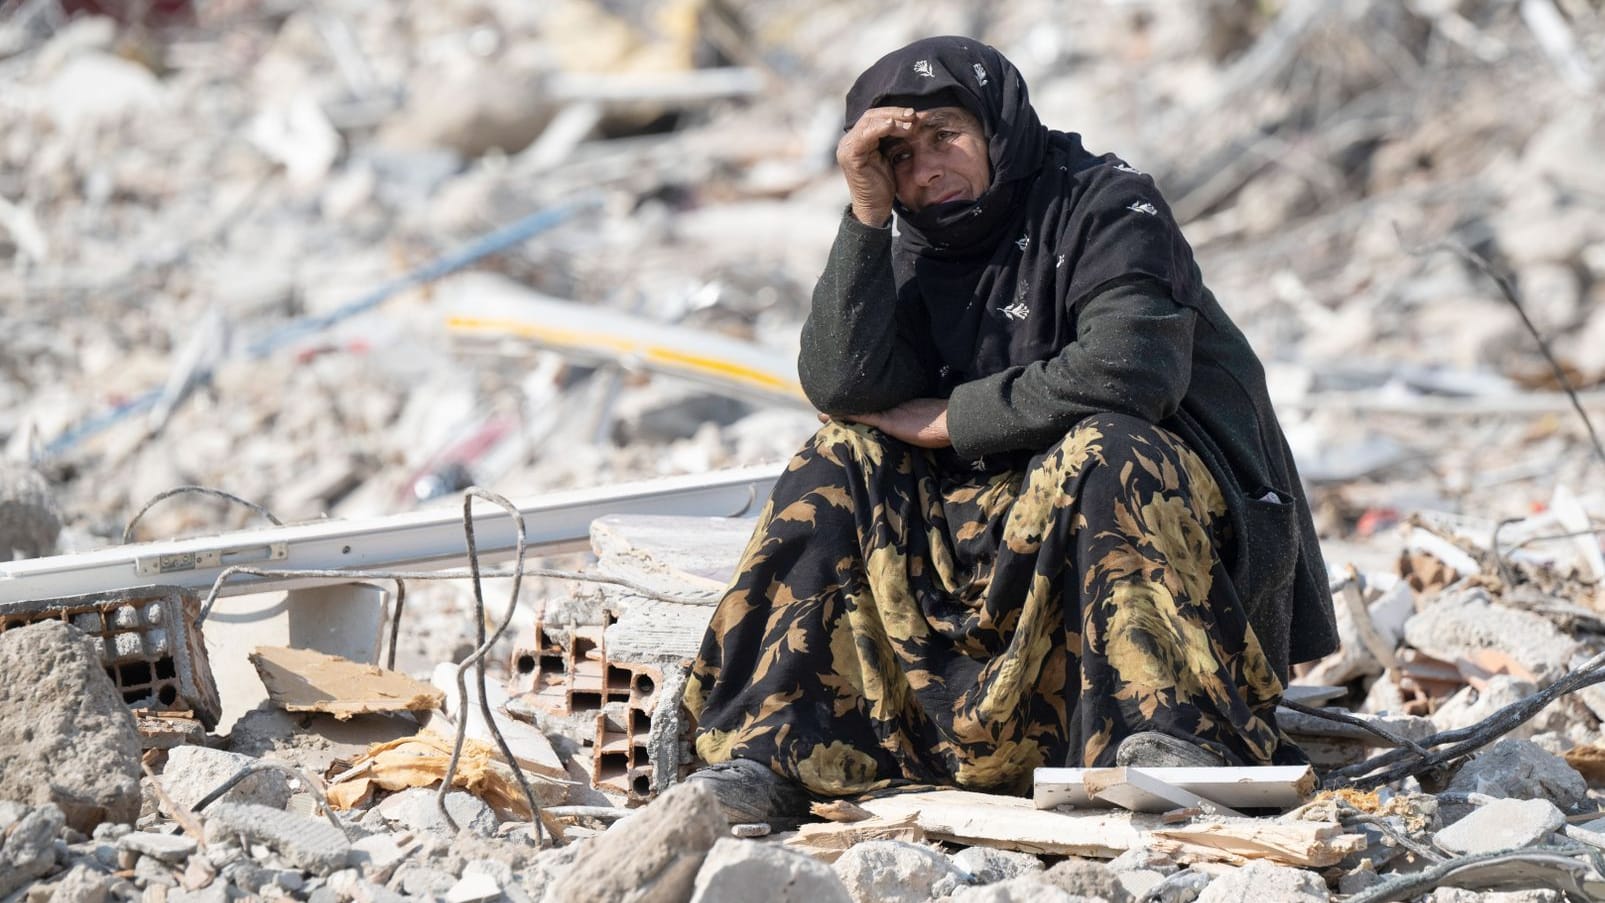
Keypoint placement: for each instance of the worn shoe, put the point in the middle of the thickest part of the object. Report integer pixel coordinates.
(1151, 749)
(749, 791)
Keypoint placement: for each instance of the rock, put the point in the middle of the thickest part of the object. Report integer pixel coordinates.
(1259, 882)
(1461, 623)
(1024, 889)
(1085, 878)
(30, 848)
(986, 865)
(416, 809)
(194, 771)
(1182, 887)
(29, 519)
(652, 856)
(452, 113)
(311, 844)
(1504, 824)
(735, 871)
(376, 852)
(474, 888)
(891, 871)
(1139, 882)
(1143, 859)
(66, 736)
(82, 884)
(1520, 769)
(164, 847)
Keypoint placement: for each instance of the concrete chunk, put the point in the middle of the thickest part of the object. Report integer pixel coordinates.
(891, 871)
(29, 850)
(311, 844)
(1260, 882)
(1520, 769)
(1504, 824)
(192, 772)
(66, 736)
(736, 871)
(651, 857)
(164, 847)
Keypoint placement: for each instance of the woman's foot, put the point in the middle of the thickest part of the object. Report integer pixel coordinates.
(750, 791)
(1151, 749)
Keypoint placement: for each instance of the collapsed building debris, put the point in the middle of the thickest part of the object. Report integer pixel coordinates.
(250, 265)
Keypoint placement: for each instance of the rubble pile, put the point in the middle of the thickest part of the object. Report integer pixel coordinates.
(233, 236)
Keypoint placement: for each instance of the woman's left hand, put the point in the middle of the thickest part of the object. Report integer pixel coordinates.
(919, 421)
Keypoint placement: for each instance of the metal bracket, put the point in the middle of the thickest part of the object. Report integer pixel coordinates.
(210, 558)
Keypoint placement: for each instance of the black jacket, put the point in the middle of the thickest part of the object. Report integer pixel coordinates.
(1187, 369)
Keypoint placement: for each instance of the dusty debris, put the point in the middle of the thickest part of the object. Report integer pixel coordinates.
(303, 680)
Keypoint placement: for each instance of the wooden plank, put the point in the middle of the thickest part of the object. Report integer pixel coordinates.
(1012, 823)
(1299, 843)
(1139, 791)
(304, 680)
(827, 841)
(1251, 787)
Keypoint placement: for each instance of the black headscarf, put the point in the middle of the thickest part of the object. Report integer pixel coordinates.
(997, 281)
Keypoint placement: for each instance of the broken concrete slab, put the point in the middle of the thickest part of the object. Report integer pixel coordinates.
(1463, 622)
(890, 871)
(651, 857)
(1084, 878)
(418, 809)
(192, 772)
(66, 735)
(1520, 769)
(304, 680)
(1504, 824)
(739, 870)
(170, 848)
(307, 843)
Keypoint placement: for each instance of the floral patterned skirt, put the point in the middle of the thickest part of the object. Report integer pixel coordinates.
(901, 616)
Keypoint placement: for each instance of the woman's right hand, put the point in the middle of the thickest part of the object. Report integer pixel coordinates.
(869, 176)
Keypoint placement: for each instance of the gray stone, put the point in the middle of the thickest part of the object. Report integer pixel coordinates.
(474, 888)
(891, 871)
(417, 880)
(30, 849)
(1259, 882)
(1520, 769)
(311, 844)
(149, 871)
(216, 892)
(1503, 824)
(165, 847)
(1182, 887)
(736, 871)
(1085, 878)
(1139, 882)
(192, 772)
(986, 865)
(66, 736)
(652, 856)
(1024, 889)
(82, 884)
(1144, 859)
(376, 852)
(417, 810)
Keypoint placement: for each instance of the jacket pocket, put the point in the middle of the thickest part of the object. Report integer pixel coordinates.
(1271, 547)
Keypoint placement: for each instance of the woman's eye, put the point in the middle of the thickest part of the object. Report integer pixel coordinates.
(899, 157)
(946, 135)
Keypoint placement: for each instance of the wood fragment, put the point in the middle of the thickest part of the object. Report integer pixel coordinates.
(843, 811)
(1252, 787)
(1138, 790)
(827, 841)
(304, 680)
(1013, 823)
(1238, 841)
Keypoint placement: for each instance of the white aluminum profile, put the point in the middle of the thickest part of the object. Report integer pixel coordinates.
(421, 540)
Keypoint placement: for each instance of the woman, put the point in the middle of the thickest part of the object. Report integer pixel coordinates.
(1051, 518)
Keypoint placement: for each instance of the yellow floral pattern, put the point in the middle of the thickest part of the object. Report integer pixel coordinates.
(902, 616)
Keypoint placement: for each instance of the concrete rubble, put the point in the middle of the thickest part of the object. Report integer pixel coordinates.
(224, 237)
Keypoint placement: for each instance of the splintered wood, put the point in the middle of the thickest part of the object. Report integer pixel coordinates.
(1255, 787)
(302, 680)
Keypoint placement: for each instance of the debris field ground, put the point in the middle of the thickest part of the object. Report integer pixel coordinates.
(234, 237)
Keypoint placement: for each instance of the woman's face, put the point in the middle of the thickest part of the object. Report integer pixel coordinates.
(942, 159)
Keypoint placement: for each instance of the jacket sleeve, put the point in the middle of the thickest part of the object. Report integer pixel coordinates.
(1132, 355)
(857, 356)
